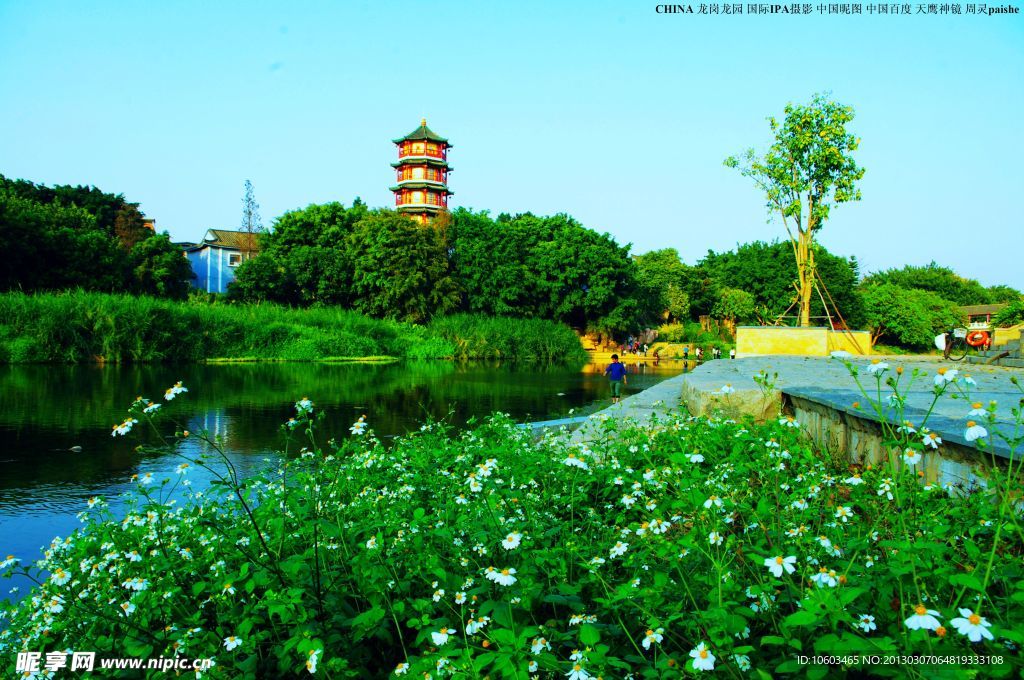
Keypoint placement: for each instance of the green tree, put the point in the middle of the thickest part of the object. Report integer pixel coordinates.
(807, 170)
(908, 317)
(49, 246)
(400, 269)
(1011, 315)
(545, 267)
(159, 269)
(664, 279)
(765, 270)
(304, 259)
(1002, 293)
(942, 281)
(129, 227)
(734, 306)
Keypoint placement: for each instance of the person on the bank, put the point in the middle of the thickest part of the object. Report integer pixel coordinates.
(616, 373)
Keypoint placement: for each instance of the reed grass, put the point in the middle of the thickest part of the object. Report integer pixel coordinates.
(80, 326)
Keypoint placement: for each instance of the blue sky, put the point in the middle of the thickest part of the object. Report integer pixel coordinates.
(607, 111)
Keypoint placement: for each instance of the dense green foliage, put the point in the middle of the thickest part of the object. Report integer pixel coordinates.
(767, 271)
(1011, 315)
(79, 237)
(672, 547)
(83, 326)
(496, 337)
(665, 280)
(907, 316)
(945, 283)
(384, 264)
(549, 267)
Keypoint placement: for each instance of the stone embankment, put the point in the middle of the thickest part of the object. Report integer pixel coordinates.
(836, 414)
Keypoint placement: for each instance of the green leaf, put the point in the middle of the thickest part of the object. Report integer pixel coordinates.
(589, 635)
(800, 618)
(967, 581)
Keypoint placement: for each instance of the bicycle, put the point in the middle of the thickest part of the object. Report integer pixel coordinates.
(956, 344)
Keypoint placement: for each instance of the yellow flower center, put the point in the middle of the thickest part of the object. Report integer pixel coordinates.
(974, 619)
(703, 653)
(971, 423)
(778, 560)
(942, 371)
(976, 404)
(505, 572)
(577, 667)
(920, 610)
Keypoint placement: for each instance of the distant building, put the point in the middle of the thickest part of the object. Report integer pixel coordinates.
(422, 169)
(979, 317)
(215, 258)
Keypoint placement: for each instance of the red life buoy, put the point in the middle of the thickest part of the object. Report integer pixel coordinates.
(977, 338)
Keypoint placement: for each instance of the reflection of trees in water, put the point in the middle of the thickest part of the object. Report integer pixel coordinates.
(45, 408)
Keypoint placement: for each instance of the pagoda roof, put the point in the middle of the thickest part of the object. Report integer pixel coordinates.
(422, 132)
(436, 186)
(420, 207)
(422, 160)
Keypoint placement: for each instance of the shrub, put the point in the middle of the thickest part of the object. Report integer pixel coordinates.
(1011, 315)
(681, 542)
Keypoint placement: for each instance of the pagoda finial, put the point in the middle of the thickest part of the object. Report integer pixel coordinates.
(423, 122)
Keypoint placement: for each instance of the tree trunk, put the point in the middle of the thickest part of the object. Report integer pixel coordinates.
(805, 273)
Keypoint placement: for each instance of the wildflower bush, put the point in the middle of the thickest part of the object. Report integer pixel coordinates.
(661, 549)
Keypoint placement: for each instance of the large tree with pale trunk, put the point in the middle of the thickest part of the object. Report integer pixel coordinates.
(807, 170)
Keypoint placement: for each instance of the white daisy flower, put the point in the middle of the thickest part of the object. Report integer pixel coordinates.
(572, 461)
(703, 659)
(539, 645)
(715, 538)
(512, 541)
(653, 636)
(911, 457)
(441, 636)
(877, 367)
(825, 577)
(866, 623)
(476, 625)
(974, 431)
(923, 618)
(974, 626)
(777, 564)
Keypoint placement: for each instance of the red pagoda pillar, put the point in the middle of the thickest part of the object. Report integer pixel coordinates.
(422, 169)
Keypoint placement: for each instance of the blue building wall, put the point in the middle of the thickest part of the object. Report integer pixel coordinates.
(212, 268)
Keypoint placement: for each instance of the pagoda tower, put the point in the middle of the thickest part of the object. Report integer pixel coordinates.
(422, 168)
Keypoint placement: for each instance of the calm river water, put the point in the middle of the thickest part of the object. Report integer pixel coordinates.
(47, 410)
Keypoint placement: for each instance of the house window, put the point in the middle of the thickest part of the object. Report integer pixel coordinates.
(234, 259)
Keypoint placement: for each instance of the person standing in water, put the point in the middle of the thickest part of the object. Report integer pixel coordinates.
(616, 373)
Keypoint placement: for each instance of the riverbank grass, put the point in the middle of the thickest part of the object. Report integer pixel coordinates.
(80, 327)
